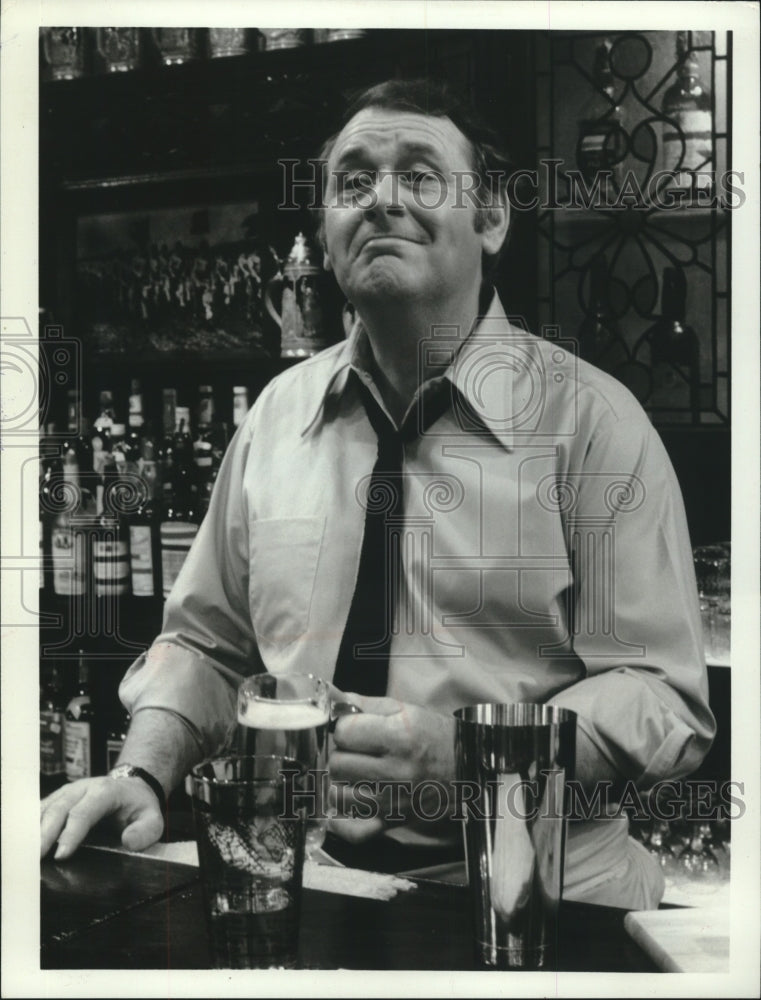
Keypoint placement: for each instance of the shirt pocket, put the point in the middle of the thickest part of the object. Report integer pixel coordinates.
(284, 553)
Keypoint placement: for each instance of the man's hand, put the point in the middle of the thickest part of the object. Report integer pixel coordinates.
(391, 741)
(71, 812)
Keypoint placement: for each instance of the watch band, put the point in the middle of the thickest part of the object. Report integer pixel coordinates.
(132, 771)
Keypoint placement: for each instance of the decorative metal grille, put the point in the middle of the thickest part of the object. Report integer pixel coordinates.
(631, 189)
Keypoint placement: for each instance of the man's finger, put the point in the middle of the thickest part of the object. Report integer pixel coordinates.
(145, 831)
(374, 706)
(53, 812)
(366, 734)
(93, 806)
(354, 767)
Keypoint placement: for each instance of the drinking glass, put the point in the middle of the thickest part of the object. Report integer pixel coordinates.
(713, 571)
(287, 715)
(250, 831)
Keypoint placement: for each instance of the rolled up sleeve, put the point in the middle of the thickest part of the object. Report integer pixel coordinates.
(644, 700)
(207, 642)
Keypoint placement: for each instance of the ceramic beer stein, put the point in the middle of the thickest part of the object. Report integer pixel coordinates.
(300, 317)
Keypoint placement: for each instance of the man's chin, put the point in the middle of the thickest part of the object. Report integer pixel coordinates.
(385, 277)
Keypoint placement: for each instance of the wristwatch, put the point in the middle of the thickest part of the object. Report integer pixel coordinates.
(132, 771)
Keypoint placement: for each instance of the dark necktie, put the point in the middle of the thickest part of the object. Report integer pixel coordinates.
(362, 663)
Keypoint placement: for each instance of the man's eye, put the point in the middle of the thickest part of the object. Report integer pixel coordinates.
(359, 180)
(423, 177)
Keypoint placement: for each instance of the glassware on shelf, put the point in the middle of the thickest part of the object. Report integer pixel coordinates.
(225, 42)
(344, 34)
(663, 846)
(175, 45)
(119, 47)
(284, 38)
(698, 859)
(64, 51)
(713, 573)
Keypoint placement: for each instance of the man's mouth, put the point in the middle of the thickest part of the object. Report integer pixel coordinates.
(380, 239)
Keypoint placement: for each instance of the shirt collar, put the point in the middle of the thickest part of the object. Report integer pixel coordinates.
(483, 372)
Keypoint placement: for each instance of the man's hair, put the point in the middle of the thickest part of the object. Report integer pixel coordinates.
(490, 162)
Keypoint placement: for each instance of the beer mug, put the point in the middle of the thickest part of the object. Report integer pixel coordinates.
(300, 317)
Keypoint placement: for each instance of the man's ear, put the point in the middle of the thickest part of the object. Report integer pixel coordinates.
(495, 222)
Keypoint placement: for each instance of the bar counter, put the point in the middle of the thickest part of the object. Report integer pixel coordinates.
(107, 910)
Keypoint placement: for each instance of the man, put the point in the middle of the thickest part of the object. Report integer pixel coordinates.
(539, 545)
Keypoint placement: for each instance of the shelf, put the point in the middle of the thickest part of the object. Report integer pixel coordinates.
(212, 74)
(569, 218)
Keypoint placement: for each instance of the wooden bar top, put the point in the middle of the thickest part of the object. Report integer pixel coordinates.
(105, 910)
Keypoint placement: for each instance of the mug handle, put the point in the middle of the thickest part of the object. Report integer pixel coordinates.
(278, 279)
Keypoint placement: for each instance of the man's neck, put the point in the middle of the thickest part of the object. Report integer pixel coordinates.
(395, 335)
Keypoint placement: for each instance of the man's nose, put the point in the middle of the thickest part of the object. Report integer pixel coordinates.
(385, 195)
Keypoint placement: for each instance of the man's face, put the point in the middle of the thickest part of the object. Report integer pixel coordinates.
(395, 227)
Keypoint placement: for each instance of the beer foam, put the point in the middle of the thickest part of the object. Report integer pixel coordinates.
(282, 715)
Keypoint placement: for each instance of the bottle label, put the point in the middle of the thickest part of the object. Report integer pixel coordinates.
(110, 567)
(69, 568)
(51, 742)
(77, 743)
(176, 539)
(205, 410)
(202, 455)
(113, 749)
(141, 557)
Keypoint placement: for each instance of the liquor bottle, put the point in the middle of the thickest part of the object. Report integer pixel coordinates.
(675, 351)
(51, 725)
(77, 437)
(136, 422)
(69, 530)
(50, 472)
(101, 442)
(206, 449)
(169, 422)
(599, 338)
(115, 738)
(118, 457)
(205, 491)
(203, 444)
(78, 724)
(240, 404)
(110, 545)
(183, 441)
(687, 146)
(179, 521)
(602, 142)
(145, 555)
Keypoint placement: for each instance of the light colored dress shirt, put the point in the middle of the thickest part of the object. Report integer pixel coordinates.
(544, 554)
